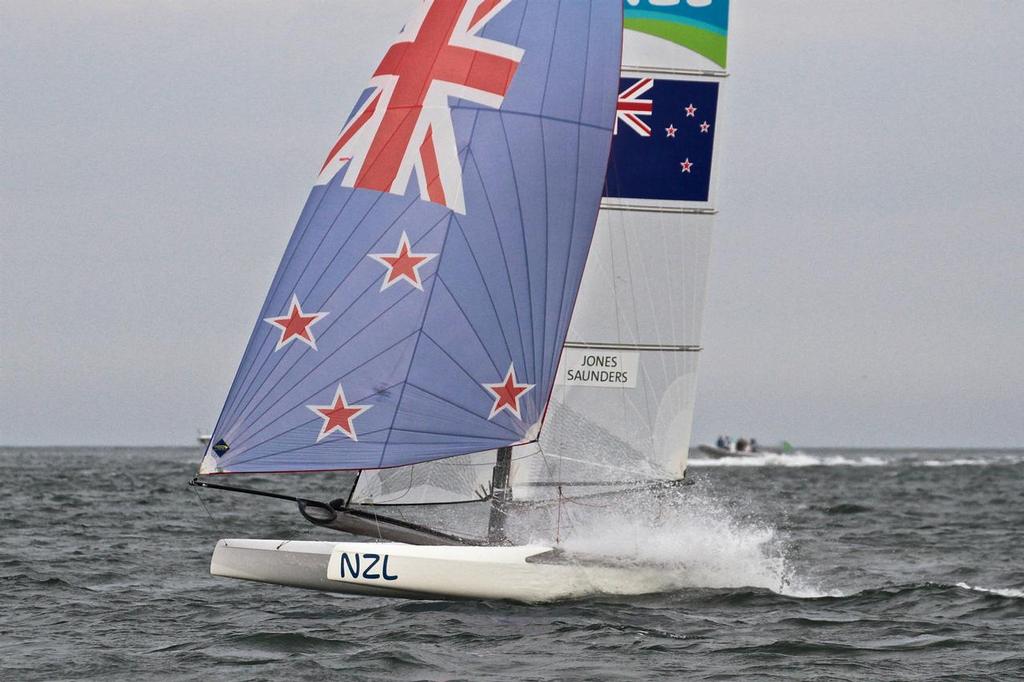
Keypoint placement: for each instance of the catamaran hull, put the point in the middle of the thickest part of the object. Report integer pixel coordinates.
(531, 573)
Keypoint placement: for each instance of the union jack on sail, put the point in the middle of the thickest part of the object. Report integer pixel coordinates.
(404, 122)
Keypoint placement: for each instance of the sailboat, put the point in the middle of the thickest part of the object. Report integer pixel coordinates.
(491, 301)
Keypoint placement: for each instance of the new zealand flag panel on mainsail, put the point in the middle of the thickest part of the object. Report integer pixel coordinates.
(664, 140)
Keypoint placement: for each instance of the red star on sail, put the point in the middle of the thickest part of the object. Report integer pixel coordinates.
(691, 111)
(507, 393)
(338, 416)
(687, 165)
(670, 131)
(705, 126)
(295, 325)
(403, 264)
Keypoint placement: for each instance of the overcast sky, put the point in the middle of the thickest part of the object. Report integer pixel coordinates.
(866, 282)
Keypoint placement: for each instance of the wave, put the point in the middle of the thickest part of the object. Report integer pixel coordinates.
(1002, 592)
(796, 459)
(805, 459)
(914, 589)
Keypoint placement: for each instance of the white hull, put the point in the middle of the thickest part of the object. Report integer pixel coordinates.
(529, 573)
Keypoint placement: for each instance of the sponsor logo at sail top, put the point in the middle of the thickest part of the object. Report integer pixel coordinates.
(699, 25)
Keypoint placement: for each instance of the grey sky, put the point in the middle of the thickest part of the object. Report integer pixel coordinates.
(866, 284)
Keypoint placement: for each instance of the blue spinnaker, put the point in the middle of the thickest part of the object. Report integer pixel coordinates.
(422, 302)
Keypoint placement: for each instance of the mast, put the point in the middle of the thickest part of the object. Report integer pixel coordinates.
(501, 494)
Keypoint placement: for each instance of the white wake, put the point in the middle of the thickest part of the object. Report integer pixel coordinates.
(1005, 592)
(695, 541)
(899, 458)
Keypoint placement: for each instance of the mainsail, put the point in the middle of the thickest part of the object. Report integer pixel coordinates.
(622, 408)
(422, 303)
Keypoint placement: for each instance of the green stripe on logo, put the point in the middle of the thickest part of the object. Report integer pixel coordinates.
(706, 43)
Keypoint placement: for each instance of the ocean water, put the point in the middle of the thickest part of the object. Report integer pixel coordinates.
(827, 564)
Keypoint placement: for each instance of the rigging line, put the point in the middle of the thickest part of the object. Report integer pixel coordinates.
(254, 370)
(558, 522)
(202, 503)
(355, 484)
(197, 482)
(244, 410)
(365, 515)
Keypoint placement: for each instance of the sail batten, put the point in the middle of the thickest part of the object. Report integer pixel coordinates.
(421, 304)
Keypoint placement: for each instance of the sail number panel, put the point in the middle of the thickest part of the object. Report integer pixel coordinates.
(350, 566)
(605, 368)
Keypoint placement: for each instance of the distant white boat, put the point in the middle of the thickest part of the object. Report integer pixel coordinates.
(204, 439)
(717, 452)
(480, 305)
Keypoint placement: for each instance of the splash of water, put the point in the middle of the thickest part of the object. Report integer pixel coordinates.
(695, 539)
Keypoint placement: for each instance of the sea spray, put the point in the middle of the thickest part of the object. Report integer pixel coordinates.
(697, 540)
